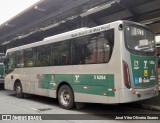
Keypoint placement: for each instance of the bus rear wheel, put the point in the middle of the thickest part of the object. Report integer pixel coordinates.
(18, 89)
(66, 97)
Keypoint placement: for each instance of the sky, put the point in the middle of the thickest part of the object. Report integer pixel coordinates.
(10, 8)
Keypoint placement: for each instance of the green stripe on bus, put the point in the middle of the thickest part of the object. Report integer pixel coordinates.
(1, 71)
(98, 84)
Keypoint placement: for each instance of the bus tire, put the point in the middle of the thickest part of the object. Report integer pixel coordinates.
(66, 97)
(19, 90)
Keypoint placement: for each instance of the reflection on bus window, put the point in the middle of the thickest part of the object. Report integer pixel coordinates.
(91, 49)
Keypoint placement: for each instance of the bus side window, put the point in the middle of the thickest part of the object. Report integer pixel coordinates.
(100, 47)
(79, 50)
(19, 59)
(56, 54)
(66, 53)
(28, 61)
(103, 50)
(6, 63)
(93, 49)
(43, 55)
(91, 57)
(10, 63)
(108, 44)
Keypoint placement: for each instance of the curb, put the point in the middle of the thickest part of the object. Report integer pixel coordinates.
(151, 107)
(146, 106)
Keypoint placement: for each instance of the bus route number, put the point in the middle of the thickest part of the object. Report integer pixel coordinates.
(140, 32)
(100, 77)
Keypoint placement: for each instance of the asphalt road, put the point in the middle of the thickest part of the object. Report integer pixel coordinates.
(49, 108)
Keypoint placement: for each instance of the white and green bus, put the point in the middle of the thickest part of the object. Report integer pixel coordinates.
(2, 57)
(111, 63)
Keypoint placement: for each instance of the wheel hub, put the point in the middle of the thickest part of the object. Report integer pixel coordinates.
(18, 89)
(65, 97)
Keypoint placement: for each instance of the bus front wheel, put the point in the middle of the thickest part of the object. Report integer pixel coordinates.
(66, 97)
(19, 92)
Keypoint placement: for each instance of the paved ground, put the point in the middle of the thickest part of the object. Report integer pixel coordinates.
(38, 105)
(153, 103)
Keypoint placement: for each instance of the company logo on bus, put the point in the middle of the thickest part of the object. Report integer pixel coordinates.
(136, 80)
(145, 72)
(141, 80)
(136, 63)
(145, 64)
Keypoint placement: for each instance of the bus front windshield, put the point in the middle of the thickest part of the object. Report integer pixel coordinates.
(139, 39)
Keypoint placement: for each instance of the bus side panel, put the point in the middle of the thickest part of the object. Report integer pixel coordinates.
(99, 87)
(116, 64)
(8, 83)
(128, 96)
(1, 73)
